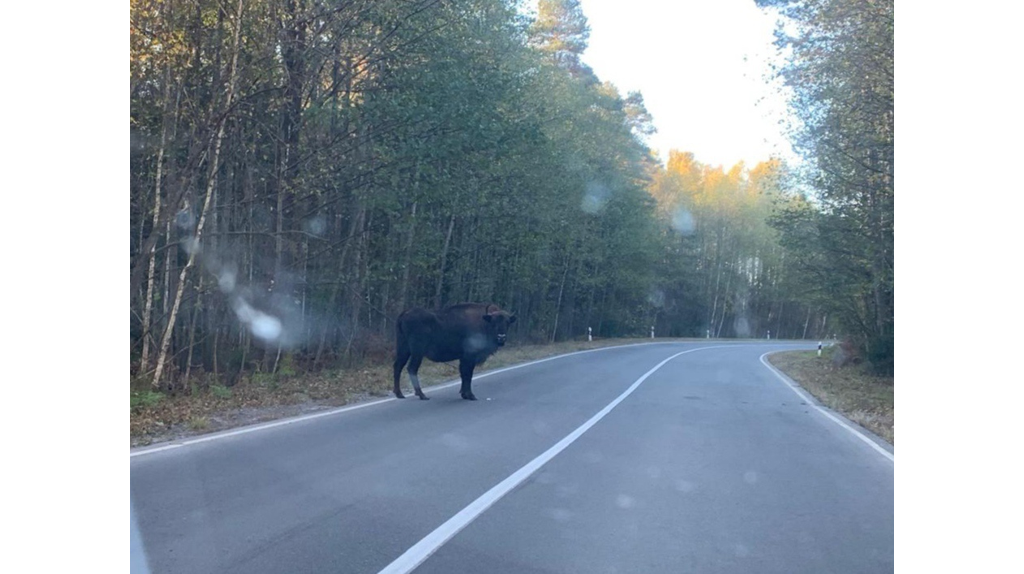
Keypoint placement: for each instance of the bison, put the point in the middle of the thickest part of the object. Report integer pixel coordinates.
(469, 332)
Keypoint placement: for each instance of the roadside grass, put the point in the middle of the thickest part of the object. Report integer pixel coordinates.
(860, 396)
(260, 397)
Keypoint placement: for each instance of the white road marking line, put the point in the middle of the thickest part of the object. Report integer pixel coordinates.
(264, 426)
(258, 427)
(810, 401)
(423, 549)
(301, 418)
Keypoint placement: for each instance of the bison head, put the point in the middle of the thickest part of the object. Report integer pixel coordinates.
(497, 325)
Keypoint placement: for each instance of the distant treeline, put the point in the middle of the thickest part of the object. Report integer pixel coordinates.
(303, 170)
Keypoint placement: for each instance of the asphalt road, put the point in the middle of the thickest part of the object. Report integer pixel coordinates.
(592, 462)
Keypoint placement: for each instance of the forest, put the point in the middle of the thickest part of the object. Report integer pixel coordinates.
(304, 170)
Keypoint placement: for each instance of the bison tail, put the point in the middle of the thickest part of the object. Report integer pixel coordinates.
(400, 337)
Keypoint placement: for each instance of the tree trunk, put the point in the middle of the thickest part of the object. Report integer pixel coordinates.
(214, 161)
(444, 259)
(166, 298)
(192, 332)
(293, 56)
(558, 305)
(404, 290)
(339, 279)
(356, 299)
(721, 317)
(148, 309)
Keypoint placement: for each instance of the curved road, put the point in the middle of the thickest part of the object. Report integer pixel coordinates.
(662, 457)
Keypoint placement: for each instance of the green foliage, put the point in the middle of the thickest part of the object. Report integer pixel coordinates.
(199, 423)
(268, 380)
(561, 31)
(220, 391)
(723, 271)
(286, 366)
(841, 73)
(387, 154)
(144, 398)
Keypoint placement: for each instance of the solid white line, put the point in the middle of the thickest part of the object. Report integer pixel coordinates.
(422, 550)
(810, 401)
(301, 418)
(264, 426)
(257, 427)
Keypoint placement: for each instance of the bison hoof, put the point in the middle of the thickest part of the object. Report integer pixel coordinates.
(399, 394)
(424, 398)
(469, 396)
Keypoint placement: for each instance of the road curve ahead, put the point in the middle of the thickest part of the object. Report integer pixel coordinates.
(664, 457)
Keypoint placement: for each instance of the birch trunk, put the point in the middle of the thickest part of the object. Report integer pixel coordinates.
(147, 313)
(151, 271)
(214, 161)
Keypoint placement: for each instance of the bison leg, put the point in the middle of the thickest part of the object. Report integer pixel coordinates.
(414, 369)
(466, 371)
(401, 358)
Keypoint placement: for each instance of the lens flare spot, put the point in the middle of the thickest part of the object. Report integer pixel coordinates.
(266, 327)
(316, 225)
(682, 221)
(595, 197)
(226, 281)
(475, 342)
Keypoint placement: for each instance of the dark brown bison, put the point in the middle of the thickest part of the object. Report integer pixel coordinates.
(469, 332)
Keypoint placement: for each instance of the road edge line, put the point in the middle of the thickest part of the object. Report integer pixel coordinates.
(140, 451)
(814, 403)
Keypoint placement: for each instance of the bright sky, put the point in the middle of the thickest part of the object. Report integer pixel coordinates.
(700, 65)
